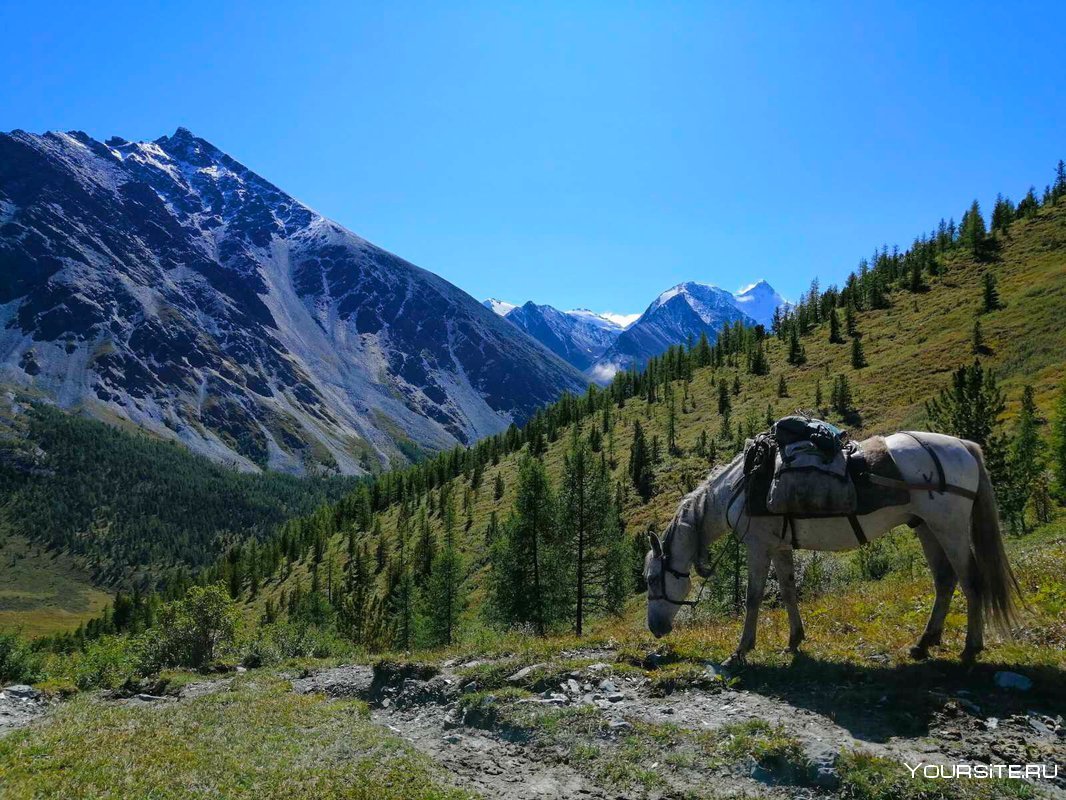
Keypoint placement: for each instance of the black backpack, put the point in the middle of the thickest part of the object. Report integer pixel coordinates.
(797, 428)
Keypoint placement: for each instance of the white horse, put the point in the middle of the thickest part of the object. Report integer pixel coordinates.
(955, 518)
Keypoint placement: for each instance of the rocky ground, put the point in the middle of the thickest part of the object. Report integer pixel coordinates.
(587, 726)
(590, 724)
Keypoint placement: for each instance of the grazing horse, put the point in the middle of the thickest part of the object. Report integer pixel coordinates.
(956, 522)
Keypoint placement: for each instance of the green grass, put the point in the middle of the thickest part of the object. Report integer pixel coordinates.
(259, 740)
(42, 593)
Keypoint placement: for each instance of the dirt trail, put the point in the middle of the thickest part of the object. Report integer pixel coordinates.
(421, 705)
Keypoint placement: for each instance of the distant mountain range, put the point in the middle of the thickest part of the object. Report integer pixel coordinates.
(166, 284)
(600, 346)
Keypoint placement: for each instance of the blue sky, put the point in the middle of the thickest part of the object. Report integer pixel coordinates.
(581, 154)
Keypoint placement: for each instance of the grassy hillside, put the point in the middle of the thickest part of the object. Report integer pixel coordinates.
(911, 347)
(44, 592)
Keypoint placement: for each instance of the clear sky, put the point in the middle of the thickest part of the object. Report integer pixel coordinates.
(579, 153)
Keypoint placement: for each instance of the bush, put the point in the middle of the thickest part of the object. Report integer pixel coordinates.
(281, 641)
(18, 663)
(192, 632)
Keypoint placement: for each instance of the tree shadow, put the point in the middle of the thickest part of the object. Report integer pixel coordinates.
(878, 702)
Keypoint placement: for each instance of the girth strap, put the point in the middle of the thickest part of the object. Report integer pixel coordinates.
(892, 483)
(856, 526)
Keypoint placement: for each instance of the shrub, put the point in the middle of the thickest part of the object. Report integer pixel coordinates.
(194, 631)
(18, 663)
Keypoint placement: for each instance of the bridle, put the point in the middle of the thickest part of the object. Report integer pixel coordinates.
(704, 572)
(664, 567)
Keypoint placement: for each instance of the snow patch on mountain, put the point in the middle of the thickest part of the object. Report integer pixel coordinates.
(501, 307)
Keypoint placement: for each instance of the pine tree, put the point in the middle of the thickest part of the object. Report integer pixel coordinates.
(724, 403)
(834, 328)
(989, 294)
(498, 488)
(796, 354)
(1025, 464)
(640, 461)
(972, 231)
(525, 569)
(858, 357)
(782, 386)
(444, 600)
(978, 339)
(817, 394)
(841, 398)
(850, 323)
(402, 600)
(970, 409)
(588, 527)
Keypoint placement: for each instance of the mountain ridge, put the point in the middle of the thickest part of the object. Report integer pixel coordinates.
(167, 284)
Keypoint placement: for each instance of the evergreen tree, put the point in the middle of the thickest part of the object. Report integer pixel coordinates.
(989, 294)
(525, 570)
(850, 323)
(978, 339)
(724, 403)
(796, 354)
(401, 593)
(444, 600)
(834, 328)
(972, 231)
(640, 461)
(589, 532)
(498, 488)
(782, 386)
(858, 357)
(841, 398)
(970, 409)
(1025, 464)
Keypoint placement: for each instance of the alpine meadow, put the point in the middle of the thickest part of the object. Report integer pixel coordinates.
(423, 401)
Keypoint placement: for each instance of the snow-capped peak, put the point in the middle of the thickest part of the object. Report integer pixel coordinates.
(759, 300)
(501, 307)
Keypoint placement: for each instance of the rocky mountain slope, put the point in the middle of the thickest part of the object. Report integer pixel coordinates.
(578, 337)
(166, 284)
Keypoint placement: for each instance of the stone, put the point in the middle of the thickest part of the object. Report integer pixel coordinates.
(471, 687)
(599, 666)
(572, 686)
(619, 725)
(523, 673)
(608, 686)
(1012, 680)
(21, 691)
(616, 697)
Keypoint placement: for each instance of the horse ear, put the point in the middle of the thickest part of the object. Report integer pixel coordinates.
(656, 545)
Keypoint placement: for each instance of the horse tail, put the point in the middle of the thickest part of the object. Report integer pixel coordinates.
(998, 588)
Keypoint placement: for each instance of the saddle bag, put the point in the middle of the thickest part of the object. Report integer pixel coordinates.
(808, 480)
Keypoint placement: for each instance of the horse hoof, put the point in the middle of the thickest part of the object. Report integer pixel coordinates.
(734, 661)
(919, 653)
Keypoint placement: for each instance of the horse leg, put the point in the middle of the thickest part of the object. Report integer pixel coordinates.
(758, 569)
(944, 581)
(785, 568)
(956, 544)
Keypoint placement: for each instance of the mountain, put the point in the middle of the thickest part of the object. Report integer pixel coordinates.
(166, 284)
(500, 307)
(679, 315)
(759, 301)
(578, 337)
